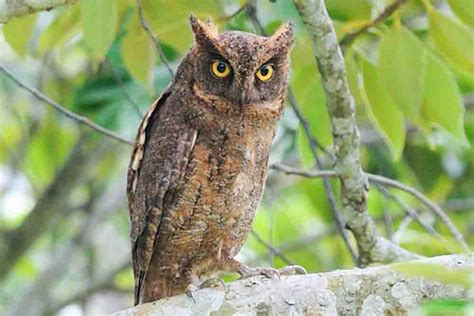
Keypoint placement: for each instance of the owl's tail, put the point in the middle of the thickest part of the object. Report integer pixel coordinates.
(152, 289)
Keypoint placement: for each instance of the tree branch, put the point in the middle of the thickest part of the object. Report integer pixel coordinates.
(78, 118)
(350, 37)
(48, 207)
(10, 9)
(341, 109)
(153, 37)
(381, 180)
(373, 291)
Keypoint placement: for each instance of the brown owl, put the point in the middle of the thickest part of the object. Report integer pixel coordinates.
(200, 159)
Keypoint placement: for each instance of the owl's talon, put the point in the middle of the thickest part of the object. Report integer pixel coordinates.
(292, 270)
(270, 273)
(190, 291)
(212, 283)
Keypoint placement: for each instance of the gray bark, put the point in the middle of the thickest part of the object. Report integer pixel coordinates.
(14, 8)
(371, 291)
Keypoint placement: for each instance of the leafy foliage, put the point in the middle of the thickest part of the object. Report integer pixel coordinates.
(411, 81)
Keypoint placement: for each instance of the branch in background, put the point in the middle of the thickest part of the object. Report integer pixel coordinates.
(272, 249)
(10, 9)
(153, 37)
(124, 90)
(386, 292)
(49, 207)
(313, 144)
(233, 15)
(380, 180)
(78, 118)
(350, 37)
(426, 201)
(105, 282)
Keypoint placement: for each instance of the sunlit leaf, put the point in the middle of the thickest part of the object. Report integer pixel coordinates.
(401, 70)
(99, 23)
(443, 103)
(176, 20)
(138, 52)
(464, 9)
(435, 272)
(388, 119)
(454, 40)
(347, 10)
(18, 32)
(61, 30)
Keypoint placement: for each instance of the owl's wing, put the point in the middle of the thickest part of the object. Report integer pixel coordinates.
(163, 145)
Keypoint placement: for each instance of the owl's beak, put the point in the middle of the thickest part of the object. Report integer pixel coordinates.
(243, 99)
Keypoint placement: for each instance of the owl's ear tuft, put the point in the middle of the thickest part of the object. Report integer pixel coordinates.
(284, 37)
(204, 32)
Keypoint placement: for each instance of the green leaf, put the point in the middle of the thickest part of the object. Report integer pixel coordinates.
(443, 102)
(176, 19)
(401, 70)
(454, 40)
(388, 119)
(347, 10)
(138, 52)
(464, 9)
(61, 30)
(435, 272)
(99, 23)
(18, 32)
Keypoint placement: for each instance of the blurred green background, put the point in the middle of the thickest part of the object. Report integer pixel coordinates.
(63, 217)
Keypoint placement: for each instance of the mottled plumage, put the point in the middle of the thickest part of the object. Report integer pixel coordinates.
(200, 160)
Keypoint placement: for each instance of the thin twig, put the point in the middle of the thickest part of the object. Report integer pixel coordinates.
(124, 90)
(233, 15)
(153, 37)
(401, 229)
(272, 249)
(377, 179)
(63, 110)
(309, 174)
(350, 37)
(426, 201)
(412, 213)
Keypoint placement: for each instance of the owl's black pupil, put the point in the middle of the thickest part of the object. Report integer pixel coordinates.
(264, 71)
(221, 67)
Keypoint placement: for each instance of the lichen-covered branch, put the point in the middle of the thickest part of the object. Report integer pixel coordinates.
(372, 291)
(341, 109)
(12, 8)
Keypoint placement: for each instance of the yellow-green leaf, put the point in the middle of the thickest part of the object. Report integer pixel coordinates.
(464, 9)
(176, 18)
(138, 53)
(443, 103)
(61, 30)
(435, 272)
(401, 70)
(454, 40)
(99, 23)
(388, 119)
(18, 32)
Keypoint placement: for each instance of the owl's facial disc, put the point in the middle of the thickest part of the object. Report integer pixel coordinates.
(241, 68)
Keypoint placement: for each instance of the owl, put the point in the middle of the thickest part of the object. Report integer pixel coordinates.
(200, 159)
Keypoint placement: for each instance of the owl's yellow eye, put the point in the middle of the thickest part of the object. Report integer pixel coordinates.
(220, 69)
(265, 72)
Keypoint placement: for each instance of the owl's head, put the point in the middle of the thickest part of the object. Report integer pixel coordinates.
(240, 67)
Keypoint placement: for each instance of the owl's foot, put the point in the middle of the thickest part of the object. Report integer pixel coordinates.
(247, 272)
(213, 283)
(292, 270)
